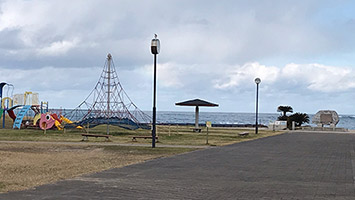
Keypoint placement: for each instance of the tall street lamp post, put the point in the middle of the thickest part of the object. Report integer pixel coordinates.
(155, 49)
(257, 81)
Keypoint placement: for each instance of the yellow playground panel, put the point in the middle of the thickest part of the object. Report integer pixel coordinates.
(28, 98)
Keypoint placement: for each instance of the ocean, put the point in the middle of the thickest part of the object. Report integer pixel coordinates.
(167, 117)
(345, 121)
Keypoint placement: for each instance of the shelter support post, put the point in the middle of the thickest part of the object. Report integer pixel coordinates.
(196, 117)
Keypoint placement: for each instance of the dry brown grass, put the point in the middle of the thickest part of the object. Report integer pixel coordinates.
(24, 166)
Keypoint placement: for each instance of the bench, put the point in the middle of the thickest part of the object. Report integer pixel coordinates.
(134, 138)
(86, 136)
(196, 130)
(243, 133)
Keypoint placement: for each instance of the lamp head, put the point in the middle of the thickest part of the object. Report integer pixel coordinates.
(155, 45)
(257, 80)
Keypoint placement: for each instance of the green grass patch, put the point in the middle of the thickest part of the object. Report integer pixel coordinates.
(37, 135)
(171, 135)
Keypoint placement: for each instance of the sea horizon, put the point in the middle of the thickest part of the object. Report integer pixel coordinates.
(345, 120)
(239, 118)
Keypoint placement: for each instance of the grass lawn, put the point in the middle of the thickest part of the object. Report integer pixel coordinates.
(171, 135)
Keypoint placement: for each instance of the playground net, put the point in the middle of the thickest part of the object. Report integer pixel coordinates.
(108, 103)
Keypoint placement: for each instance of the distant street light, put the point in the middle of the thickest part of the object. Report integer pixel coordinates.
(155, 49)
(257, 81)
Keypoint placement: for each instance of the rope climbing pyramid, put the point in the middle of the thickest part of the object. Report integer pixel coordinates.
(108, 103)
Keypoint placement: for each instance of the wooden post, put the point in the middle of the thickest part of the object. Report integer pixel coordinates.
(156, 133)
(208, 125)
(169, 131)
(207, 136)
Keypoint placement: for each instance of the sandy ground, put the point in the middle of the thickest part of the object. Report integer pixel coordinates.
(25, 166)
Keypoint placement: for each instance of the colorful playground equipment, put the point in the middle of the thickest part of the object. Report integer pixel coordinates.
(25, 111)
(6, 102)
(20, 116)
(109, 104)
(24, 116)
(44, 121)
(49, 120)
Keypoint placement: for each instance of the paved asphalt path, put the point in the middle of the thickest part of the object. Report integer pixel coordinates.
(288, 166)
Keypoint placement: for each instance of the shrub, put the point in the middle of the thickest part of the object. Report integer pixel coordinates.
(298, 118)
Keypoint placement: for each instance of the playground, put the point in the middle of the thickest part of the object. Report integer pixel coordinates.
(107, 103)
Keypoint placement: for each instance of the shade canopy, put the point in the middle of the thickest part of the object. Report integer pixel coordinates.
(196, 102)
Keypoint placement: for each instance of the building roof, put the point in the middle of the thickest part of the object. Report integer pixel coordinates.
(196, 102)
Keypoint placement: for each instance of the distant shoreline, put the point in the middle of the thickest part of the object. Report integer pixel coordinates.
(215, 125)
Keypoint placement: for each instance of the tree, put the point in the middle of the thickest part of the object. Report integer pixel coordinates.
(284, 110)
(298, 118)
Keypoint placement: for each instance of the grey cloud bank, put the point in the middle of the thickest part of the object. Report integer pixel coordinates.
(303, 51)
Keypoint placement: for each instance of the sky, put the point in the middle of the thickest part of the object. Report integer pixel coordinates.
(303, 51)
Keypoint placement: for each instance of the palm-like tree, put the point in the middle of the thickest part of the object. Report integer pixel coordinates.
(284, 110)
(298, 118)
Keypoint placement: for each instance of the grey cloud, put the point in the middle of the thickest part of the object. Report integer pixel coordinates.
(190, 32)
(9, 40)
(209, 35)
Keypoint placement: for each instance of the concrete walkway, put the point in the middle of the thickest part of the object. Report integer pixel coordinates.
(288, 166)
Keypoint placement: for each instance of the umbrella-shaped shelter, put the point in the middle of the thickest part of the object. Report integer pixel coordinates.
(197, 103)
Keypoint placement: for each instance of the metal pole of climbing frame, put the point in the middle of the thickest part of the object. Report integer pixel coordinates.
(108, 92)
